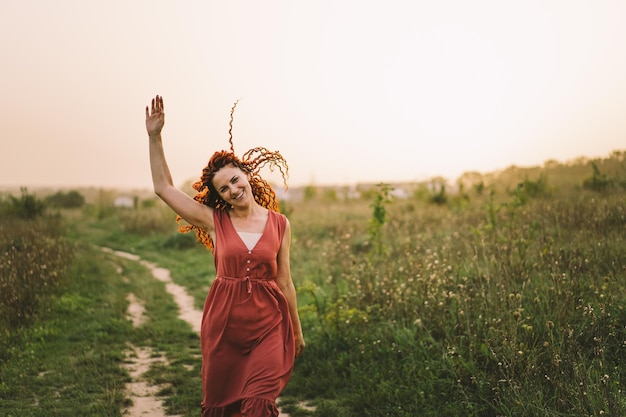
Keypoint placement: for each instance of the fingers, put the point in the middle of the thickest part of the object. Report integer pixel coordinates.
(158, 101)
(299, 349)
(156, 106)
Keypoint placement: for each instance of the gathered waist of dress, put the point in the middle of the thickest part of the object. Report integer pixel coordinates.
(247, 279)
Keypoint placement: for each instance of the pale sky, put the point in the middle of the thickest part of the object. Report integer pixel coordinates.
(347, 90)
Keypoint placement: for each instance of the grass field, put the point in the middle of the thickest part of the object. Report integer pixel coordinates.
(504, 298)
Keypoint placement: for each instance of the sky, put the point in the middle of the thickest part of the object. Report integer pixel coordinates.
(348, 91)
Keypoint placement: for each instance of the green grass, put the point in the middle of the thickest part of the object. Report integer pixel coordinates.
(523, 316)
(508, 303)
(69, 361)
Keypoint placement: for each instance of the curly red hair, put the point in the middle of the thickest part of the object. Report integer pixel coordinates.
(250, 163)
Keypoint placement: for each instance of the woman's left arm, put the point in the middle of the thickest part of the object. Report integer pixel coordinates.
(285, 283)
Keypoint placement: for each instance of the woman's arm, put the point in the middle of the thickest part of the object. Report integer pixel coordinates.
(285, 283)
(189, 209)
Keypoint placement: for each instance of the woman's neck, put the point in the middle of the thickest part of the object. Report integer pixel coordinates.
(246, 213)
(249, 221)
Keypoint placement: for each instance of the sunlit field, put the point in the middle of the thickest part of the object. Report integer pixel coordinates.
(501, 295)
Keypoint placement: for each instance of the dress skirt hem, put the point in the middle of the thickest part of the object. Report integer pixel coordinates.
(248, 407)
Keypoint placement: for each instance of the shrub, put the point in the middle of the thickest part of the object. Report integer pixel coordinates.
(440, 197)
(71, 199)
(27, 206)
(180, 241)
(598, 181)
(33, 258)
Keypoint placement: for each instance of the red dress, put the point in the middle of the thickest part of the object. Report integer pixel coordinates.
(247, 339)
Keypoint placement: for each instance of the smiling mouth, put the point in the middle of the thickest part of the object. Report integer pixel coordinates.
(238, 196)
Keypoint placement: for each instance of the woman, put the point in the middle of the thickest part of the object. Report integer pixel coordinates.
(251, 331)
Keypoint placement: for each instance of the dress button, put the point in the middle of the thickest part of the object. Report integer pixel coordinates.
(247, 269)
(249, 252)
(248, 261)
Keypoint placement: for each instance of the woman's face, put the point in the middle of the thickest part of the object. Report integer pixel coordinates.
(233, 186)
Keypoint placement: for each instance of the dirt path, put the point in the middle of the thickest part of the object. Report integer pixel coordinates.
(139, 360)
(143, 395)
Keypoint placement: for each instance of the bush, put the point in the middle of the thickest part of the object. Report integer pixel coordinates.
(598, 181)
(27, 206)
(181, 241)
(33, 258)
(71, 199)
(440, 197)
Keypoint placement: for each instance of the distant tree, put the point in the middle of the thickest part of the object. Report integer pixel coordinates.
(619, 156)
(528, 189)
(479, 188)
(536, 188)
(330, 194)
(71, 199)
(310, 192)
(551, 164)
(440, 197)
(471, 179)
(438, 191)
(420, 193)
(149, 202)
(598, 181)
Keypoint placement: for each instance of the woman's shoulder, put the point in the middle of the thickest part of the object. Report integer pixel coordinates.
(280, 220)
(218, 215)
(277, 215)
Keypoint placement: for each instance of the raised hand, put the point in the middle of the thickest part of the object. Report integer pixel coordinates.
(155, 116)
